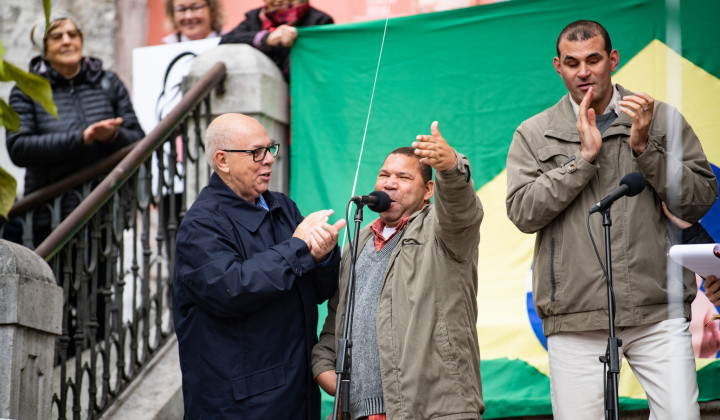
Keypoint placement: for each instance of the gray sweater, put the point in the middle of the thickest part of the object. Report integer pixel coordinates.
(366, 396)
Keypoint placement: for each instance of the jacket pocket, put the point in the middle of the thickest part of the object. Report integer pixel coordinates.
(258, 382)
(549, 277)
(444, 342)
(554, 156)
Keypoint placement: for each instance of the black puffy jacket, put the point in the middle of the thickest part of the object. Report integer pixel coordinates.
(52, 148)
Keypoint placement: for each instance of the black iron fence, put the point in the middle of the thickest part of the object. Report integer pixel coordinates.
(113, 255)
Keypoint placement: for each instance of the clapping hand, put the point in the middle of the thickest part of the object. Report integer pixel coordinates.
(320, 236)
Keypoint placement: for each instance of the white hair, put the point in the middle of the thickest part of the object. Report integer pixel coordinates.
(217, 137)
(37, 32)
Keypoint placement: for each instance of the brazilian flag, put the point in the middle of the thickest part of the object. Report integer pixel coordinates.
(480, 72)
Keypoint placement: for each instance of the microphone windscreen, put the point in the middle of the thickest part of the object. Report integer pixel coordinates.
(635, 182)
(383, 201)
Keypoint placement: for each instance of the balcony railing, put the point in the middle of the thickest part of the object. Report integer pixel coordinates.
(114, 254)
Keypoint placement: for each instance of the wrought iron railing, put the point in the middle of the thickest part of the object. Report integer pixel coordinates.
(114, 255)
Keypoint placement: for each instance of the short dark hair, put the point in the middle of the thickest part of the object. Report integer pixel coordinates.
(582, 30)
(425, 169)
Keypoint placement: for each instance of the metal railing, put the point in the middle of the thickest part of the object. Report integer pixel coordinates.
(113, 254)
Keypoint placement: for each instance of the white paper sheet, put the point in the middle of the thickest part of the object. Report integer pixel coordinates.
(703, 259)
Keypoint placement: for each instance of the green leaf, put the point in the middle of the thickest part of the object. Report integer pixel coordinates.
(8, 190)
(8, 117)
(47, 5)
(2, 50)
(36, 87)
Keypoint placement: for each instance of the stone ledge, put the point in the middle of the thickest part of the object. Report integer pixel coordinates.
(16, 259)
(254, 84)
(29, 296)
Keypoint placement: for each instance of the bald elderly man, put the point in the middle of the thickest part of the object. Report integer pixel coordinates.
(249, 275)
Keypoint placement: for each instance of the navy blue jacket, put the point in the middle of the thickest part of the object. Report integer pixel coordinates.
(245, 296)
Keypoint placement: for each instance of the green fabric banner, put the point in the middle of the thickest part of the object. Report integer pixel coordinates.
(480, 72)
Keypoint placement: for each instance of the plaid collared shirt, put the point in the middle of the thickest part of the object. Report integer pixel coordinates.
(377, 227)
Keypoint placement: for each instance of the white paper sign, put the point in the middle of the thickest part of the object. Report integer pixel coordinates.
(157, 74)
(156, 84)
(703, 259)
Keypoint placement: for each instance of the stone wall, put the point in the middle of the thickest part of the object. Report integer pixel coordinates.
(30, 320)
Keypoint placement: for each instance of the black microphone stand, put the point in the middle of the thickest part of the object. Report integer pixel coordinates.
(343, 358)
(612, 354)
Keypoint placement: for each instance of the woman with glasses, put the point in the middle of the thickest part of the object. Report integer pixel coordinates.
(96, 117)
(272, 28)
(191, 20)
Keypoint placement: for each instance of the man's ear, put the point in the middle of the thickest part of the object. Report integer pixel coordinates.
(221, 163)
(614, 60)
(429, 189)
(557, 65)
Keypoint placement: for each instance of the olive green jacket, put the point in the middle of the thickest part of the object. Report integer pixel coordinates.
(551, 188)
(427, 309)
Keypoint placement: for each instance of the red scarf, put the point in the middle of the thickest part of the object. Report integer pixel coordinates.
(283, 15)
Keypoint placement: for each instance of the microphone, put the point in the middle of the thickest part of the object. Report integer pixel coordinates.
(377, 201)
(631, 185)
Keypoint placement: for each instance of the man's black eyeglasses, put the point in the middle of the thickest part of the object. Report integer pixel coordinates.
(258, 154)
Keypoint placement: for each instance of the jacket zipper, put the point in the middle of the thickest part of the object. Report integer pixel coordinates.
(78, 105)
(553, 284)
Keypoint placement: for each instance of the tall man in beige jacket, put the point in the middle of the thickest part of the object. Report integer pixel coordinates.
(415, 347)
(564, 160)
